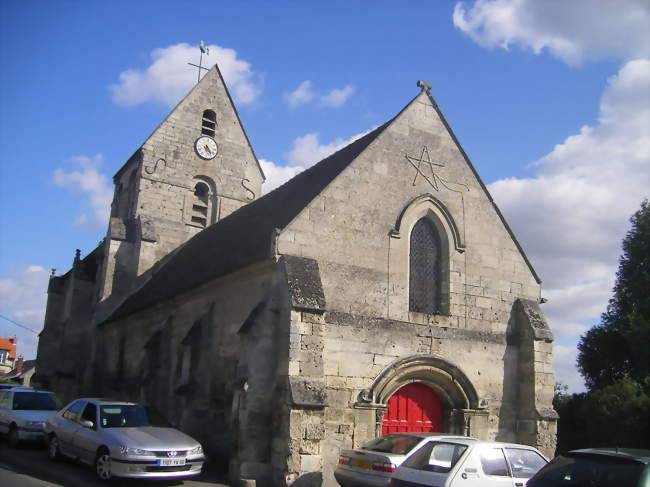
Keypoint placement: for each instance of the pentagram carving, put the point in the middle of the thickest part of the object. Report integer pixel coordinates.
(425, 167)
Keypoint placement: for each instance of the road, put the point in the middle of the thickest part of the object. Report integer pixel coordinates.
(28, 466)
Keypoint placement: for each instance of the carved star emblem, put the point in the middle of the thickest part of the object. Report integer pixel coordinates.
(425, 159)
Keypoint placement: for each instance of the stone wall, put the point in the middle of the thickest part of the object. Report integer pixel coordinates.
(182, 356)
(358, 231)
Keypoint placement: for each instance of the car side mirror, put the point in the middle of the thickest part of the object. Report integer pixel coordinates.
(88, 424)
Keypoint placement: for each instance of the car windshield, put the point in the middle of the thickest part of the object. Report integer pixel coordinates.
(396, 444)
(129, 416)
(34, 401)
(436, 456)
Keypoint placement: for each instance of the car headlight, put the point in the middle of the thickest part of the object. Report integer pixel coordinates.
(196, 451)
(125, 450)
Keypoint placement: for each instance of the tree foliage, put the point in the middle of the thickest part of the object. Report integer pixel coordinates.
(618, 347)
(614, 359)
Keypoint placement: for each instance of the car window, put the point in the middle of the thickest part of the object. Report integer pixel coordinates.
(129, 416)
(436, 456)
(34, 401)
(73, 411)
(524, 463)
(397, 444)
(493, 462)
(90, 413)
(596, 470)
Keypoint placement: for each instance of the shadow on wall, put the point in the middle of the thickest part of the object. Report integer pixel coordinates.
(509, 410)
(311, 479)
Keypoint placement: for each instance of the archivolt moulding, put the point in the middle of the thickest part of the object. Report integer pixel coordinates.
(448, 381)
(420, 206)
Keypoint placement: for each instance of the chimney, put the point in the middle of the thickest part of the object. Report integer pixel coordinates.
(13, 340)
(19, 365)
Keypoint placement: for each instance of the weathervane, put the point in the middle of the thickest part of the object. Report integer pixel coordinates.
(206, 50)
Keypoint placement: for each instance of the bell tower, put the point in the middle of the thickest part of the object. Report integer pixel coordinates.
(196, 168)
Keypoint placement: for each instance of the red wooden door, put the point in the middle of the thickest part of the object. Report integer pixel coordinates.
(414, 407)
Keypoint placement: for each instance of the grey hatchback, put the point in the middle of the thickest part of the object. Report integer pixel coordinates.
(122, 439)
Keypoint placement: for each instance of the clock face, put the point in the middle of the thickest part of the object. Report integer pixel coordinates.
(206, 147)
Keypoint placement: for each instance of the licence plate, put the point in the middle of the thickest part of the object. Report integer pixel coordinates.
(361, 464)
(170, 462)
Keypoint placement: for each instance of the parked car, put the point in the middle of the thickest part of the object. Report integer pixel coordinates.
(122, 439)
(373, 463)
(9, 386)
(596, 467)
(23, 412)
(465, 463)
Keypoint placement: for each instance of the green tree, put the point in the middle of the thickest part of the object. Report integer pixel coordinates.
(617, 348)
(614, 359)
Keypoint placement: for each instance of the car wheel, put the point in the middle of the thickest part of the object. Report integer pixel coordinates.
(13, 436)
(103, 465)
(53, 452)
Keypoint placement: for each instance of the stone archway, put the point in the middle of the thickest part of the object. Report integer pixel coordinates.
(462, 410)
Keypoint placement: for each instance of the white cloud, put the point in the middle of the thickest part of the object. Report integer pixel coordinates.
(572, 31)
(304, 94)
(26, 288)
(573, 214)
(564, 361)
(22, 299)
(88, 180)
(277, 175)
(307, 151)
(169, 77)
(301, 95)
(337, 97)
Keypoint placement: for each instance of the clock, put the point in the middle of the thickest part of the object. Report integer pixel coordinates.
(206, 147)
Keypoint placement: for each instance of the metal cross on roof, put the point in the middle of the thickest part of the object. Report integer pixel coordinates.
(206, 50)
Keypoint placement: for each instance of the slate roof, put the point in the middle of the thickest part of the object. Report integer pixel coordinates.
(243, 237)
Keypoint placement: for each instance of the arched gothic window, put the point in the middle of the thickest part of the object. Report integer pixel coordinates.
(209, 123)
(425, 276)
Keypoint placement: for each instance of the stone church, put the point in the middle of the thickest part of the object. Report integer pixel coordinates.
(380, 290)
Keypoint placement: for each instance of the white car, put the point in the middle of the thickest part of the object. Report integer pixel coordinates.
(462, 463)
(23, 412)
(373, 464)
(122, 439)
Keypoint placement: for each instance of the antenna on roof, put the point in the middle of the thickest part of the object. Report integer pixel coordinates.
(204, 49)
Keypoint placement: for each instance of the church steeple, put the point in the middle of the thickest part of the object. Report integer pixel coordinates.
(196, 167)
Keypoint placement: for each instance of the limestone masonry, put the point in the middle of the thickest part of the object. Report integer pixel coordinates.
(280, 329)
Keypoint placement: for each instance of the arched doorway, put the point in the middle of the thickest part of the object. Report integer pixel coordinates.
(415, 408)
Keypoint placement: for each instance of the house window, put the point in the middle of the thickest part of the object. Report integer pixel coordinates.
(3, 356)
(425, 280)
(209, 123)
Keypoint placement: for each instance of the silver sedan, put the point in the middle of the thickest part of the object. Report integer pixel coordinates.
(122, 439)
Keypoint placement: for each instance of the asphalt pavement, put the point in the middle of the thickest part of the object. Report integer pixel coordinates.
(28, 466)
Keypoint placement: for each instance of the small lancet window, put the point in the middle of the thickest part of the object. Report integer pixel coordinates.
(209, 123)
(425, 280)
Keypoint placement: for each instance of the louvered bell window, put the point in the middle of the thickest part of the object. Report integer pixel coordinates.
(209, 123)
(424, 269)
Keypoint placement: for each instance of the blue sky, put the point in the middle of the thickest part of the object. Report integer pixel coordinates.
(549, 100)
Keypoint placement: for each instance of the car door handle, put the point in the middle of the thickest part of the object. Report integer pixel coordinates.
(519, 484)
